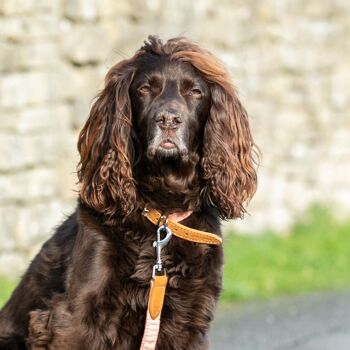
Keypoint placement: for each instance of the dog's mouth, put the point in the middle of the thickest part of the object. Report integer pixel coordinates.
(167, 148)
(167, 144)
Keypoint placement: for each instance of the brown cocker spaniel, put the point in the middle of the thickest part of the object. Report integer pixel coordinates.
(167, 131)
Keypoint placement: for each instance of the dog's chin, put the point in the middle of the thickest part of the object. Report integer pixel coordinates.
(167, 151)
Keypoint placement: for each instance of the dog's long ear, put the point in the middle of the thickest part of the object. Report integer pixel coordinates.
(228, 159)
(105, 168)
(229, 152)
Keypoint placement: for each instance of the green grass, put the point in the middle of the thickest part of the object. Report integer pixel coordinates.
(315, 255)
(6, 287)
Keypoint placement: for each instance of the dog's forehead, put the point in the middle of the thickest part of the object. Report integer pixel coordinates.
(167, 66)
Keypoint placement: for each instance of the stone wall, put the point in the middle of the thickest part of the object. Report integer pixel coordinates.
(290, 60)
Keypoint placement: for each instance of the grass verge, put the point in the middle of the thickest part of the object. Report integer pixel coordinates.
(315, 255)
(6, 287)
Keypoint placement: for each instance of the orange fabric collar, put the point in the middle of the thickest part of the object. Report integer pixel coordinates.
(182, 231)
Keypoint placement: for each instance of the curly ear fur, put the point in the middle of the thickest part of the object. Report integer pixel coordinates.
(228, 151)
(105, 147)
(228, 160)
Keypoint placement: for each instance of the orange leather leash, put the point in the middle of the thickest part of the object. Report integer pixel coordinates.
(170, 226)
(155, 305)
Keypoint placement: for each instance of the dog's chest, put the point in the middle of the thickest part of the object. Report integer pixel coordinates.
(182, 260)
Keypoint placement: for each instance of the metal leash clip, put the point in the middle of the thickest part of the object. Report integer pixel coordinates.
(159, 244)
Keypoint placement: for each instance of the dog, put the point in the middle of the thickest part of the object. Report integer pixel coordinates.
(169, 132)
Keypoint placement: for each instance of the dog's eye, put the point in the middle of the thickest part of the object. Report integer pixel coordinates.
(144, 89)
(196, 92)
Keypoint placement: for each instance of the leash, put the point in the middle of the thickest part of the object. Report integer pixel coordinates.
(169, 226)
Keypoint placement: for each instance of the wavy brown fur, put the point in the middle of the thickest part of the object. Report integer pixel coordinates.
(106, 174)
(88, 286)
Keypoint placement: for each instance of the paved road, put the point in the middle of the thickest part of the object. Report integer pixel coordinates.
(311, 322)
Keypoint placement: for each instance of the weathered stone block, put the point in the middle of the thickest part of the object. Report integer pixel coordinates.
(111, 8)
(13, 264)
(340, 87)
(25, 28)
(114, 35)
(9, 59)
(21, 89)
(86, 44)
(29, 185)
(89, 80)
(23, 56)
(27, 7)
(28, 150)
(37, 119)
(61, 83)
(24, 227)
(90, 10)
(11, 7)
(80, 112)
(8, 223)
(39, 54)
(81, 10)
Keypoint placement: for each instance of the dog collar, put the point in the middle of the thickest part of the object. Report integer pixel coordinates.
(179, 230)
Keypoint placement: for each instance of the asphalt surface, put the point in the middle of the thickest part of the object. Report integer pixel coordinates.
(310, 322)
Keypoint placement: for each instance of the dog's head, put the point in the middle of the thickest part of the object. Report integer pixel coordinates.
(172, 104)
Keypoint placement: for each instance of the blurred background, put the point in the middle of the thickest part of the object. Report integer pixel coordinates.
(290, 61)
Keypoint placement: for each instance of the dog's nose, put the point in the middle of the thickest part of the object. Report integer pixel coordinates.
(168, 119)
